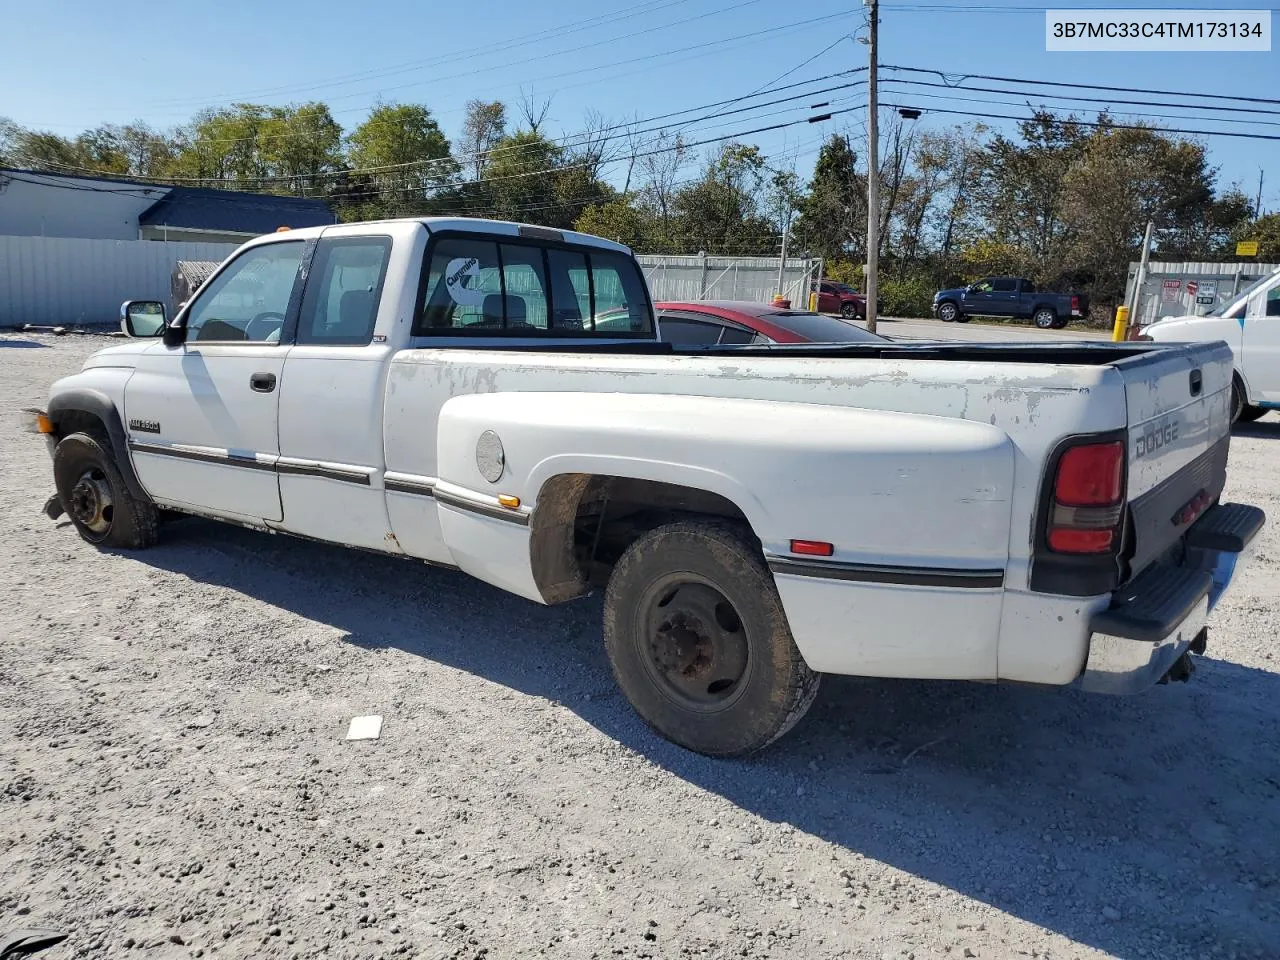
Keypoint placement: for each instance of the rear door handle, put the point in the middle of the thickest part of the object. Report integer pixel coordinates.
(1197, 383)
(262, 382)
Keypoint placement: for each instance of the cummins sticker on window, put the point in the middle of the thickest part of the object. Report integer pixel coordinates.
(458, 271)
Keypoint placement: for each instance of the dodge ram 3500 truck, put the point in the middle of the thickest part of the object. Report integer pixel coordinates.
(489, 396)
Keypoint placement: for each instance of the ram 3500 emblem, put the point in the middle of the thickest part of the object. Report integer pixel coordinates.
(145, 426)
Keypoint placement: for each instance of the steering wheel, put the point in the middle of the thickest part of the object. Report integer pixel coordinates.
(267, 316)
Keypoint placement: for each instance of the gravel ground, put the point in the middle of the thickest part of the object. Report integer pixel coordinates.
(174, 780)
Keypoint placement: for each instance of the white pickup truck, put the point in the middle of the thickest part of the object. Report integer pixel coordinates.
(1250, 324)
(489, 396)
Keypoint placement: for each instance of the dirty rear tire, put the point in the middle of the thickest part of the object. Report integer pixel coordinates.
(686, 560)
(130, 524)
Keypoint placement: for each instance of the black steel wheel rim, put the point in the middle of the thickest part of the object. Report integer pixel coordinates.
(693, 643)
(92, 504)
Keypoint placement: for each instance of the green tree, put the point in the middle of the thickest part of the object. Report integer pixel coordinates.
(300, 146)
(622, 221)
(1266, 231)
(485, 125)
(1124, 178)
(1026, 183)
(832, 221)
(721, 211)
(404, 156)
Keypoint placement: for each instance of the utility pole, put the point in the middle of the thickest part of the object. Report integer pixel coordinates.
(1257, 206)
(782, 260)
(873, 166)
(1135, 300)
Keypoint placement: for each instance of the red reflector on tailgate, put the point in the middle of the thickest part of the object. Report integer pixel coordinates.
(1066, 540)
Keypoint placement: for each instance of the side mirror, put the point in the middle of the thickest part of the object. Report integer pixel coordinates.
(142, 318)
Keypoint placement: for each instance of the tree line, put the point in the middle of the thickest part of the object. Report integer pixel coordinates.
(1064, 201)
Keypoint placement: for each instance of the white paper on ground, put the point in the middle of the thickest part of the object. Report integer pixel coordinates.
(365, 728)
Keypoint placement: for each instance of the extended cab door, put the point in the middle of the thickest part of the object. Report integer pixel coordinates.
(202, 417)
(1260, 351)
(331, 459)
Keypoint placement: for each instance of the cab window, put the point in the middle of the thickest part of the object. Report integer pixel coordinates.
(486, 287)
(340, 304)
(248, 300)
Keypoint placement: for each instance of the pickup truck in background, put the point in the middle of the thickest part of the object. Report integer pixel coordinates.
(1249, 323)
(490, 397)
(1009, 297)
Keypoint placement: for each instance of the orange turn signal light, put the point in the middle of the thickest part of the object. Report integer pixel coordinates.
(508, 501)
(44, 424)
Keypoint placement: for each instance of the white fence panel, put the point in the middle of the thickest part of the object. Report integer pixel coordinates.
(67, 281)
(1165, 292)
(727, 278)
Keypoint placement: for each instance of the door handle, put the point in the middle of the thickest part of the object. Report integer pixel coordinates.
(1197, 383)
(262, 382)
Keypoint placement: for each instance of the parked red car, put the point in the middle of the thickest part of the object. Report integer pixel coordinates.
(707, 322)
(842, 299)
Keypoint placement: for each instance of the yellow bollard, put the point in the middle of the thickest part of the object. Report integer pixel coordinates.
(1122, 324)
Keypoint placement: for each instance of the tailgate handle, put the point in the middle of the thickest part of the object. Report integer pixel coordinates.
(1197, 383)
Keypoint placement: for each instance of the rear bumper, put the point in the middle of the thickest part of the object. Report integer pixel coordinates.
(1160, 614)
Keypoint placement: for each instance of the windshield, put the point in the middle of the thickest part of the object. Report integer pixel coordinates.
(819, 329)
(1228, 305)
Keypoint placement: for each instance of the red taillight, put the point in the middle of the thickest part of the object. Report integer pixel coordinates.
(1090, 475)
(1088, 494)
(1075, 304)
(812, 548)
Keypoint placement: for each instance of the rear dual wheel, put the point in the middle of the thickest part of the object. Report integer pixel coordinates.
(699, 643)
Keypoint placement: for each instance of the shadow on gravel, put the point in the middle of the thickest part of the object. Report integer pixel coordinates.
(24, 344)
(1266, 429)
(1142, 826)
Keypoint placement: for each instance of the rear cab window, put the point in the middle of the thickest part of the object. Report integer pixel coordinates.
(477, 285)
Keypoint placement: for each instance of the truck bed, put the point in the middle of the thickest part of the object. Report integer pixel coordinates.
(1071, 354)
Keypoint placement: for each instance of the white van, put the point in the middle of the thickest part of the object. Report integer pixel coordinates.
(1250, 324)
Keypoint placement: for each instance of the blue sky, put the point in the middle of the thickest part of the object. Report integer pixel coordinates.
(70, 64)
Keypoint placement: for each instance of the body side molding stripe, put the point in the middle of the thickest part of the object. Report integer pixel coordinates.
(880, 573)
(484, 509)
(231, 460)
(203, 456)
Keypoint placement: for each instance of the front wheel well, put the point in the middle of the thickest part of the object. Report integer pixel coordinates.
(584, 522)
(78, 421)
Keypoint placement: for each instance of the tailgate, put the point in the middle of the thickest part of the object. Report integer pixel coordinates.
(1179, 428)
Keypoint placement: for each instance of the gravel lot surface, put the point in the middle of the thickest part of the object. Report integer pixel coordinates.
(174, 780)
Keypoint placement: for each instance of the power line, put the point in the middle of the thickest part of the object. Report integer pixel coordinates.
(1102, 100)
(1080, 86)
(1107, 125)
(1121, 113)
